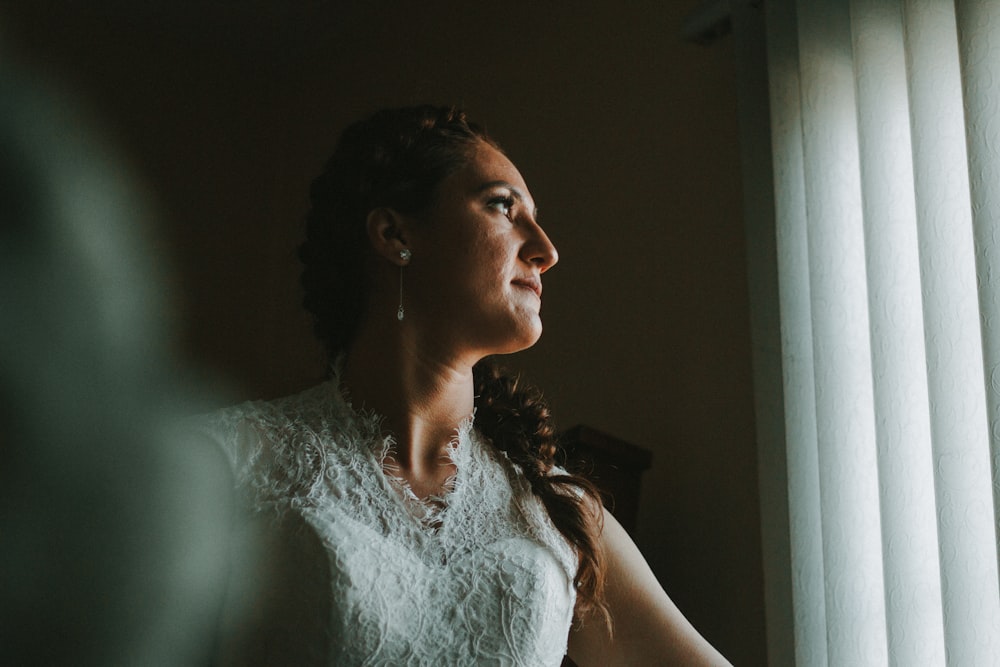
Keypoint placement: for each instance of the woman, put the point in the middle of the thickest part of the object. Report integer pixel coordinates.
(446, 540)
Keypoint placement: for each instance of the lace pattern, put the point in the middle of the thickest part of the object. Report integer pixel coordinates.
(478, 575)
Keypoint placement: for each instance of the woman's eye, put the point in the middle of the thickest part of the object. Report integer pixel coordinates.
(502, 204)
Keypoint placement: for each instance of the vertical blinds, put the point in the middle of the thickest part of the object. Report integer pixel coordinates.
(885, 131)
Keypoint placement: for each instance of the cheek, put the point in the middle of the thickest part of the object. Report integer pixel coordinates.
(491, 258)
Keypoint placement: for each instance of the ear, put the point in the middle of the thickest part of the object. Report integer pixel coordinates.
(388, 232)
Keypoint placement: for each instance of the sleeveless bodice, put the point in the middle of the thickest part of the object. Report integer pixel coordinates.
(478, 576)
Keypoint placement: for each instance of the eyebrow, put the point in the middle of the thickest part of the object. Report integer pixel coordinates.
(515, 191)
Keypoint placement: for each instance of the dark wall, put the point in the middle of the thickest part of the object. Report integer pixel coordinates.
(626, 135)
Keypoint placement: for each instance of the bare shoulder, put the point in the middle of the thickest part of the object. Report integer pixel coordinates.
(648, 628)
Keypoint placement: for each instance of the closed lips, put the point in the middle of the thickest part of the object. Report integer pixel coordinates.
(534, 285)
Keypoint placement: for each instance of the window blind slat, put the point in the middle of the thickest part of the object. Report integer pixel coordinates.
(805, 516)
(979, 51)
(914, 621)
(845, 419)
(954, 345)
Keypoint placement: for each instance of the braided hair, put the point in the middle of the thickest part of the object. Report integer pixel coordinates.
(396, 158)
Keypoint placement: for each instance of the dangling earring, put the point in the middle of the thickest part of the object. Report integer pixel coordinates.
(404, 255)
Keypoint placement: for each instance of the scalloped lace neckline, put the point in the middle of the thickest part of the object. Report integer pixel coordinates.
(428, 512)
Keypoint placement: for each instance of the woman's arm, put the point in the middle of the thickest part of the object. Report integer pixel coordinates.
(648, 628)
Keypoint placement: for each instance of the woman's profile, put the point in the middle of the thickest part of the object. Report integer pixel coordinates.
(421, 511)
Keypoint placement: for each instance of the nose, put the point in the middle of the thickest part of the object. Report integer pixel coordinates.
(538, 249)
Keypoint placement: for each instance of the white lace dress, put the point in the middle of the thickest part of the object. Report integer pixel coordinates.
(479, 577)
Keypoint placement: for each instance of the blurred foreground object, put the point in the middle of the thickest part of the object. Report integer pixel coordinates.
(113, 546)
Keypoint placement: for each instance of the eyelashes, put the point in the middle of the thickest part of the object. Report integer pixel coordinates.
(504, 204)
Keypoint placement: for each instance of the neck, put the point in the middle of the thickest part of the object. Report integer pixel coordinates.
(422, 396)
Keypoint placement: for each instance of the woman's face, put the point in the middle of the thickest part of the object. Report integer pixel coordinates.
(478, 257)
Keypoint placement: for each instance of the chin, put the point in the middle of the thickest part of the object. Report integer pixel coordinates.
(526, 338)
(515, 333)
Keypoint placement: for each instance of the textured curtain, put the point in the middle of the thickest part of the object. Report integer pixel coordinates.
(880, 461)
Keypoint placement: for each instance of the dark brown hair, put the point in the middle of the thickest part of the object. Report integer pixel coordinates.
(396, 158)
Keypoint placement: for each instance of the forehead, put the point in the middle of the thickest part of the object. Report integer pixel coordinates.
(485, 165)
(488, 161)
